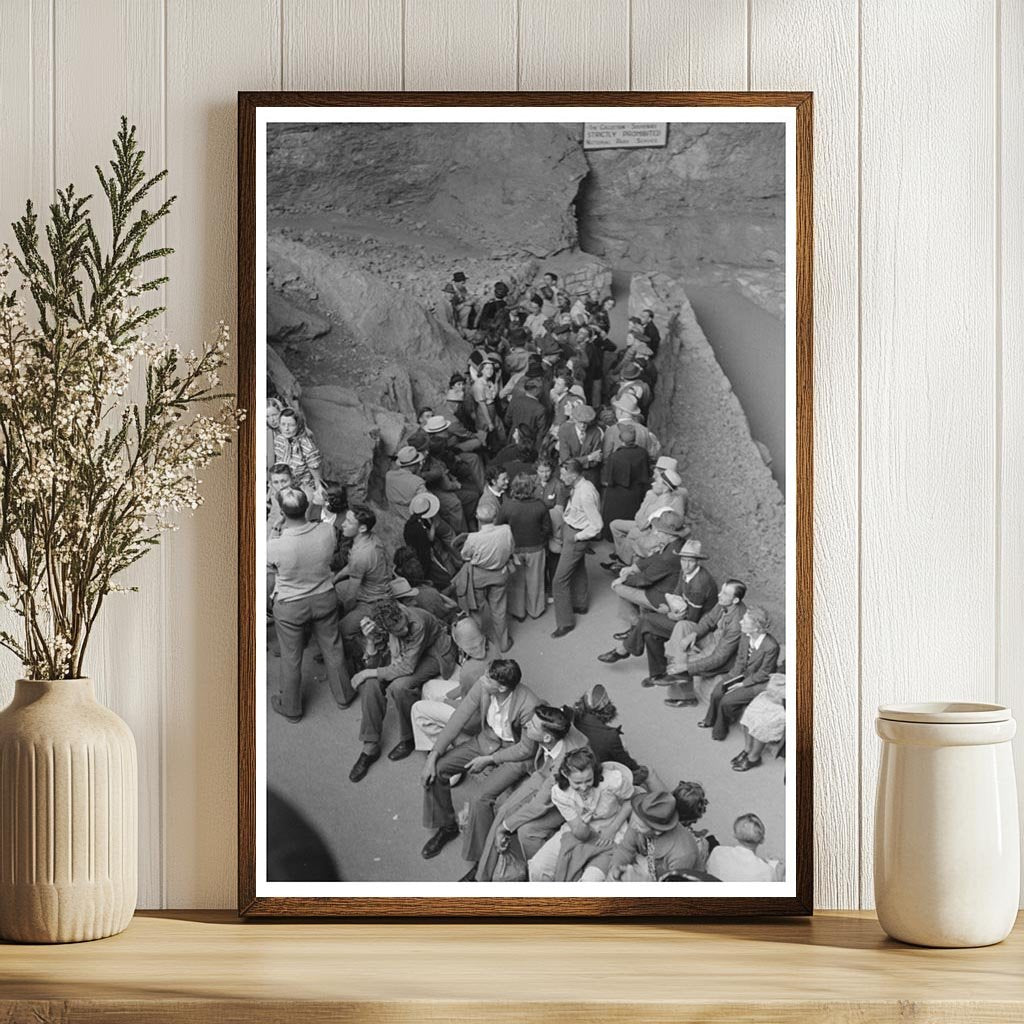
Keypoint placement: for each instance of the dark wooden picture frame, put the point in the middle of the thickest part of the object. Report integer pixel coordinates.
(799, 747)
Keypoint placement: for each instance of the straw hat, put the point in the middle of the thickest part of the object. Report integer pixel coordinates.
(583, 414)
(400, 587)
(425, 504)
(692, 549)
(408, 456)
(436, 424)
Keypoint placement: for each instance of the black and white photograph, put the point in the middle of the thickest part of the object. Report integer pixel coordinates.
(525, 502)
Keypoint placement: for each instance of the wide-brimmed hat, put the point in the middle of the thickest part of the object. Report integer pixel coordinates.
(425, 504)
(627, 403)
(643, 351)
(692, 549)
(630, 371)
(667, 462)
(656, 810)
(583, 414)
(673, 524)
(436, 424)
(408, 456)
(400, 587)
(577, 391)
(458, 276)
(672, 477)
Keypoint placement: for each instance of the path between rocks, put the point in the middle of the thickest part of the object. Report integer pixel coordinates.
(374, 828)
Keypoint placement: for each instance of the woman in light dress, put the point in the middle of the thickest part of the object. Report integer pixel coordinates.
(594, 800)
(764, 721)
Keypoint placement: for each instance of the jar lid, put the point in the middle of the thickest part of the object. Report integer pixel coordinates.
(945, 713)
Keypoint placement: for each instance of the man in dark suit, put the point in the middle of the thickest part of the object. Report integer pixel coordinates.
(580, 438)
(746, 677)
(718, 636)
(526, 409)
(495, 712)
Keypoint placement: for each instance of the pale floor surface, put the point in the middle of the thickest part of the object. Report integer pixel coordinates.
(374, 828)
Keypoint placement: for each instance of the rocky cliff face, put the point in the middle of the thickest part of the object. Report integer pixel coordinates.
(712, 195)
(740, 511)
(498, 189)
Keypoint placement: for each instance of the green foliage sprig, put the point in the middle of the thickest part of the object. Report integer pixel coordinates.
(89, 477)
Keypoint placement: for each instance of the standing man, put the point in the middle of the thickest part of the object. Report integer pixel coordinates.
(496, 485)
(420, 648)
(301, 560)
(581, 524)
(488, 553)
(580, 439)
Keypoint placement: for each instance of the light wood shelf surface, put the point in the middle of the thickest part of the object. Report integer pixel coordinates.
(208, 966)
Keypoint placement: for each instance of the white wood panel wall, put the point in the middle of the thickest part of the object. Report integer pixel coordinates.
(919, 315)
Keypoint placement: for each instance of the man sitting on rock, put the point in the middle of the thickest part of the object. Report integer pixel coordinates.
(745, 678)
(494, 714)
(402, 483)
(365, 578)
(404, 648)
(716, 637)
(666, 492)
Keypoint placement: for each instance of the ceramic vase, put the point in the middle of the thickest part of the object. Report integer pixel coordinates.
(68, 815)
(947, 846)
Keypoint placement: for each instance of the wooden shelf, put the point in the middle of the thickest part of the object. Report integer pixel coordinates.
(209, 966)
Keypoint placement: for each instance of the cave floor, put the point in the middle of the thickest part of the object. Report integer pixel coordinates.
(374, 828)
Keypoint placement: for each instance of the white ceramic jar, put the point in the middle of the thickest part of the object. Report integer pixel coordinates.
(947, 846)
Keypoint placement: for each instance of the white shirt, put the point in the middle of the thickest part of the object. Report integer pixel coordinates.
(497, 719)
(755, 641)
(738, 864)
(554, 752)
(690, 575)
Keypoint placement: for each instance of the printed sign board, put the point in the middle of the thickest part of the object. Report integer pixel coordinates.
(623, 136)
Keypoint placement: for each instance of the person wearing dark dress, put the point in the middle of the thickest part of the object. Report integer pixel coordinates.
(626, 476)
(594, 714)
(530, 521)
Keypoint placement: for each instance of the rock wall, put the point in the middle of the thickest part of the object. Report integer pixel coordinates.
(713, 194)
(739, 510)
(503, 189)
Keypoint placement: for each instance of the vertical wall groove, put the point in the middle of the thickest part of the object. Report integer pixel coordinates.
(860, 460)
(997, 232)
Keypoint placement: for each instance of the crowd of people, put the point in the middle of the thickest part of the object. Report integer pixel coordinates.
(539, 453)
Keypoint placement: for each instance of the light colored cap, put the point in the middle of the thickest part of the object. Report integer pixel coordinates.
(425, 504)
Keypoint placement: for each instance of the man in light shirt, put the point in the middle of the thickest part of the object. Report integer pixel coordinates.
(305, 602)
(366, 575)
(489, 552)
(581, 524)
(494, 715)
(741, 863)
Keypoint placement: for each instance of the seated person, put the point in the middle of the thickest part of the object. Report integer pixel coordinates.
(527, 816)
(404, 648)
(496, 713)
(763, 722)
(741, 863)
(440, 697)
(747, 676)
(594, 799)
(594, 715)
(655, 842)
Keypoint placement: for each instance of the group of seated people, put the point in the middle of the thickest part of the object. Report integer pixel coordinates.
(500, 496)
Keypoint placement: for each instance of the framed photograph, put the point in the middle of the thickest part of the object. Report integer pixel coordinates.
(525, 504)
